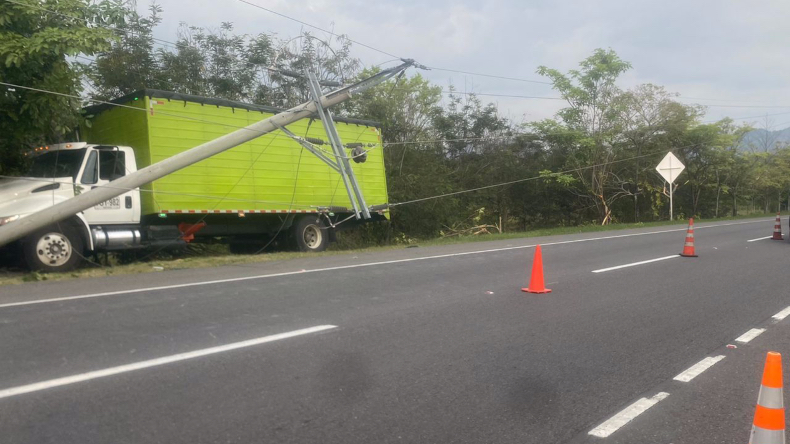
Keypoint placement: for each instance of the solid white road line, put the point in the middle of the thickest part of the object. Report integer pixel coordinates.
(759, 238)
(625, 416)
(14, 391)
(782, 314)
(695, 370)
(343, 267)
(636, 263)
(749, 335)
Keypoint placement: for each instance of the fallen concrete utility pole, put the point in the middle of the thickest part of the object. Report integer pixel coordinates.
(27, 225)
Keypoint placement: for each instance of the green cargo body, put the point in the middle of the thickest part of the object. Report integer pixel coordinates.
(270, 174)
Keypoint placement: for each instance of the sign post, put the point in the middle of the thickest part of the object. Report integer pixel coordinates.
(670, 168)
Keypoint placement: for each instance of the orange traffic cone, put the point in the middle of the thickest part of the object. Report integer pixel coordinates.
(778, 229)
(769, 416)
(688, 247)
(536, 284)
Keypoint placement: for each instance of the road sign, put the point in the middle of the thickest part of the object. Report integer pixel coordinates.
(670, 168)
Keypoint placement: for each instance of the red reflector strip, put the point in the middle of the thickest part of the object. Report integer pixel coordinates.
(771, 419)
(237, 211)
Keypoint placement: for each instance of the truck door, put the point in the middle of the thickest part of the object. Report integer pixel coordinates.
(103, 165)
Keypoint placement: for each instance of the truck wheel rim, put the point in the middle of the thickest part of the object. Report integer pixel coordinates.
(53, 249)
(312, 236)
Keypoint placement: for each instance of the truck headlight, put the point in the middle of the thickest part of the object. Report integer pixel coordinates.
(7, 219)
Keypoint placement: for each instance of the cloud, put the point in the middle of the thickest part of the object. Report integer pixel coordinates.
(726, 50)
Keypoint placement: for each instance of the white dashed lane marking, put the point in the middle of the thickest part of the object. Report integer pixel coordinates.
(749, 335)
(782, 314)
(695, 370)
(73, 379)
(635, 263)
(626, 415)
(345, 267)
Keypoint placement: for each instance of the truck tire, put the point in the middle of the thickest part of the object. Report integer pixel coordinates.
(310, 234)
(54, 249)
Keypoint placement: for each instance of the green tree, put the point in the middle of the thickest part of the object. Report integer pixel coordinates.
(406, 108)
(594, 106)
(650, 119)
(130, 63)
(36, 50)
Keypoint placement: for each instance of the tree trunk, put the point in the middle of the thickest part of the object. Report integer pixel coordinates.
(606, 216)
(734, 203)
(695, 193)
(718, 194)
(636, 185)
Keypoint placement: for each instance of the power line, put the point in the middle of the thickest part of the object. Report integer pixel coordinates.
(284, 136)
(175, 45)
(169, 193)
(468, 139)
(515, 79)
(716, 100)
(511, 182)
(383, 145)
(449, 93)
(177, 116)
(318, 28)
(162, 41)
(516, 96)
(562, 98)
(748, 117)
(164, 113)
(409, 142)
(741, 106)
(385, 52)
(160, 79)
(203, 217)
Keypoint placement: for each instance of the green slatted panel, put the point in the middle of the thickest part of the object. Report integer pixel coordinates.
(263, 174)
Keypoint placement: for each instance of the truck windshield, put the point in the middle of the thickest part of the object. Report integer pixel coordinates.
(60, 163)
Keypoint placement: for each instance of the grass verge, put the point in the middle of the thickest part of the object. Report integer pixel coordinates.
(221, 257)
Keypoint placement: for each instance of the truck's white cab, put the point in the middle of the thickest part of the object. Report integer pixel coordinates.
(101, 165)
(58, 173)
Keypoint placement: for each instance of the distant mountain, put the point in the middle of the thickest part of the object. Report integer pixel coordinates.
(762, 140)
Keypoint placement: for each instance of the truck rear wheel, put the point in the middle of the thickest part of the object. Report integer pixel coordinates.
(311, 234)
(54, 249)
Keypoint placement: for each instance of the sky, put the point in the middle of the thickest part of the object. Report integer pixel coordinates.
(731, 56)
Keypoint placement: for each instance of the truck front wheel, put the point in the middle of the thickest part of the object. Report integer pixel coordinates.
(54, 249)
(311, 234)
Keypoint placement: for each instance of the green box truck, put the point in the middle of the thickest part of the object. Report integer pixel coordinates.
(244, 196)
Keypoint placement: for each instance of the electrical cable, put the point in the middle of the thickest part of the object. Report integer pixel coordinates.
(293, 197)
(170, 193)
(175, 45)
(164, 113)
(493, 76)
(384, 144)
(203, 217)
(318, 28)
(438, 196)
(162, 41)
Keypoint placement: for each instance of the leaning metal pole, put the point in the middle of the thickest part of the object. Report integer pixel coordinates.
(26, 225)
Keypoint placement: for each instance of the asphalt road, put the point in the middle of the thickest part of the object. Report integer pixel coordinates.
(424, 345)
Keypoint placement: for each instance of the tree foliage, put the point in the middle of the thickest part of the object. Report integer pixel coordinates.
(592, 163)
(36, 50)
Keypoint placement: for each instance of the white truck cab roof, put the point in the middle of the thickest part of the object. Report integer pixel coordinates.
(57, 147)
